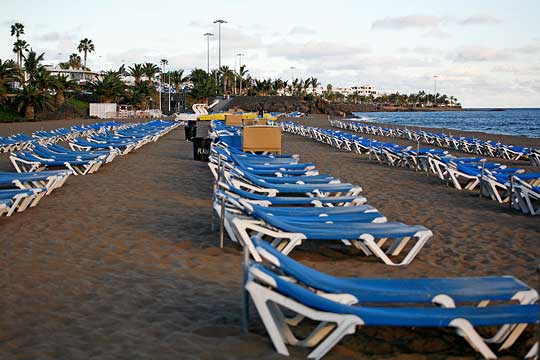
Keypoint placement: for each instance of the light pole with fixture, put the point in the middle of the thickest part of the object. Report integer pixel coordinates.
(219, 22)
(292, 78)
(435, 80)
(208, 34)
(240, 69)
(163, 63)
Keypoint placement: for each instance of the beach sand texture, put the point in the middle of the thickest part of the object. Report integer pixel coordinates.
(122, 264)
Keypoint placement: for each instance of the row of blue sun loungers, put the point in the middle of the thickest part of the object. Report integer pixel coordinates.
(42, 168)
(22, 141)
(460, 143)
(270, 204)
(253, 186)
(87, 155)
(494, 180)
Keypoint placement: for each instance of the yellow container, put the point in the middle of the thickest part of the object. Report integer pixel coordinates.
(262, 138)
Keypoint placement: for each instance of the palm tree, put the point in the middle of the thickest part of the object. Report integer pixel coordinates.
(226, 75)
(29, 98)
(86, 46)
(18, 47)
(8, 73)
(150, 70)
(137, 71)
(42, 79)
(17, 30)
(61, 84)
(277, 85)
(32, 65)
(110, 88)
(74, 61)
(204, 85)
(178, 78)
(140, 95)
(314, 84)
(242, 71)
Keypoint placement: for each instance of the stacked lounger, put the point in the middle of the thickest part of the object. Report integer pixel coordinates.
(270, 204)
(287, 203)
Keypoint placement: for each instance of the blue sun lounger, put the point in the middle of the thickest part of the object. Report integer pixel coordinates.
(442, 291)
(20, 199)
(270, 294)
(25, 161)
(49, 180)
(287, 201)
(287, 232)
(252, 182)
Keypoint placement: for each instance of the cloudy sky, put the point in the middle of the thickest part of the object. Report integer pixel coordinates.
(486, 53)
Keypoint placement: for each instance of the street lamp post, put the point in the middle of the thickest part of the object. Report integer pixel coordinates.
(292, 77)
(163, 63)
(219, 22)
(239, 69)
(435, 80)
(208, 34)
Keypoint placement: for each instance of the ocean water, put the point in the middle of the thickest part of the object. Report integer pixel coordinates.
(525, 122)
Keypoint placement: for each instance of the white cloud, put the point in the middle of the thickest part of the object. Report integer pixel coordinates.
(301, 30)
(313, 50)
(478, 53)
(529, 49)
(480, 20)
(409, 21)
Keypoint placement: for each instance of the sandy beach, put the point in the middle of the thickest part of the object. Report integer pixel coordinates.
(123, 264)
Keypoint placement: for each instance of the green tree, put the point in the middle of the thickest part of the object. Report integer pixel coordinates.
(226, 76)
(137, 71)
(178, 78)
(32, 65)
(109, 89)
(18, 47)
(74, 61)
(242, 73)
(150, 70)
(86, 46)
(140, 95)
(29, 98)
(17, 30)
(9, 72)
(204, 85)
(61, 84)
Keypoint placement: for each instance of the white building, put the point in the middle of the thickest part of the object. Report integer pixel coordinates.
(79, 75)
(360, 90)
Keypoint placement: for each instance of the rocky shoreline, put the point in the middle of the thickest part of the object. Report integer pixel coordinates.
(317, 106)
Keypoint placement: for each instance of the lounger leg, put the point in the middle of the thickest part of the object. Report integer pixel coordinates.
(396, 248)
(533, 353)
(257, 296)
(343, 329)
(15, 205)
(468, 332)
(511, 339)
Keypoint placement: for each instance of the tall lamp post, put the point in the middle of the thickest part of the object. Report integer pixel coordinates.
(163, 63)
(292, 68)
(219, 22)
(208, 34)
(435, 80)
(239, 69)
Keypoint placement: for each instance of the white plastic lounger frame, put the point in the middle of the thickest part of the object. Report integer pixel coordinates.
(22, 165)
(525, 198)
(324, 338)
(242, 228)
